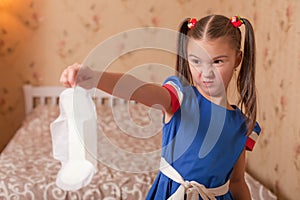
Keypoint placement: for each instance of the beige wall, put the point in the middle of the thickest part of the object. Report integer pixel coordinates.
(39, 38)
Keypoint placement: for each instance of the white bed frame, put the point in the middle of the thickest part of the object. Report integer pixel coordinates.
(49, 95)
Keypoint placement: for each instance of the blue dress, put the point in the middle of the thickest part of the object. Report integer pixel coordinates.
(202, 141)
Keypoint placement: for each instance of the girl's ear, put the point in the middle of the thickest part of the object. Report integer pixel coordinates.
(238, 59)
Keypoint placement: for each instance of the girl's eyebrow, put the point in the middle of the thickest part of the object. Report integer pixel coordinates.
(192, 55)
(215, 58)
(221, 56)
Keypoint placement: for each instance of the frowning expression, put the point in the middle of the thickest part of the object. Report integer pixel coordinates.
(212, 64)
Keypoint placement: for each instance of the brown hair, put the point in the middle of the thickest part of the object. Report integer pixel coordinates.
(213, 27)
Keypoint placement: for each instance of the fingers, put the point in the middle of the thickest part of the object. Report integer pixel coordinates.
(71, 75)
(64, 79)
(68, 76)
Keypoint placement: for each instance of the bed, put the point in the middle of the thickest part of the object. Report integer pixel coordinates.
(128, 165)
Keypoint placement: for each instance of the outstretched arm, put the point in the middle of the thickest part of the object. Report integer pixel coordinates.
(129, 87)
(238, 187)
(121, 85)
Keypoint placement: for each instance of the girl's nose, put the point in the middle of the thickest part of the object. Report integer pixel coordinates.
(208, 72)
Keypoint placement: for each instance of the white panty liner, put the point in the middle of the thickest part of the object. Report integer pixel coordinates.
(74, 139)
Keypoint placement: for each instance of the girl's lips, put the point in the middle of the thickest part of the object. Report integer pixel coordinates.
(207, 83)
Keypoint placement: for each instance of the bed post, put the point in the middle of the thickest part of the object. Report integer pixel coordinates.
(27, 89)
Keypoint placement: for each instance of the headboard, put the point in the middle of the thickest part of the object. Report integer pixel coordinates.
(49, 95)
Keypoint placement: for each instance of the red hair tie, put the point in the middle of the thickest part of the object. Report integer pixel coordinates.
(191, 23)
(236, 21)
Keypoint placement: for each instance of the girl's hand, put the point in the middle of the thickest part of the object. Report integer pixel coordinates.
(68, 76)
(77, 75)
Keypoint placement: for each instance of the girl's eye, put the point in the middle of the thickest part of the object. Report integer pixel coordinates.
(218, 62)
(195, 61)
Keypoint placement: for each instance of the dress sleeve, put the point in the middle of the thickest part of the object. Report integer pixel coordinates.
(252, 138)
(174, 87)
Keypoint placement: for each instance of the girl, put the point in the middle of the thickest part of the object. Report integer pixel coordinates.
(204, 137)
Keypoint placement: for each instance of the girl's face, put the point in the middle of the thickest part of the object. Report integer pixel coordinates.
(212, 63)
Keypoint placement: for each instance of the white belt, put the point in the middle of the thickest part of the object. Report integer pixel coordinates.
(191, 188)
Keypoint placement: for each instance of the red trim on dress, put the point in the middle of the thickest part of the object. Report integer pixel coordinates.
(250, 144)
(174, 97)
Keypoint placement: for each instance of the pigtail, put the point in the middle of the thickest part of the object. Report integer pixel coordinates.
(246, 78)
(182, 69)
